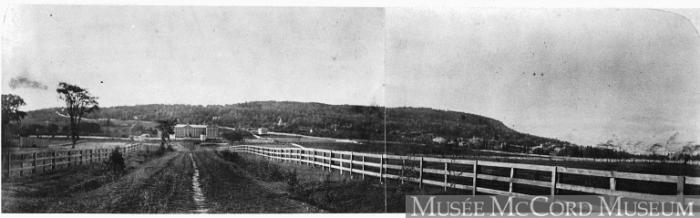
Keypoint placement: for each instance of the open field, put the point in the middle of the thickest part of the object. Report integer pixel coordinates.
(152, 184)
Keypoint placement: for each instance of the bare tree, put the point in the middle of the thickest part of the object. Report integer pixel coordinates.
(11, 112)
(79, 102)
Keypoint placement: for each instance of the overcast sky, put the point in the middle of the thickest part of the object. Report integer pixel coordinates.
(196, 55)
(583, 75)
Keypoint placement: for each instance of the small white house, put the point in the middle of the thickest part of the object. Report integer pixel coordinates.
(262, 131)
(440, 140)
(143, 137)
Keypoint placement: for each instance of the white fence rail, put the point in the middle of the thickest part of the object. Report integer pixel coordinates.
(19, 164)
(475, 175)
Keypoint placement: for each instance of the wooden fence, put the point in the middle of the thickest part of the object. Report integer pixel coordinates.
(478, 176)
(19, 164)
(535, 157)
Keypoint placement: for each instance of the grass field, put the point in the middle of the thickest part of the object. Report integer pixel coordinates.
(332, 191)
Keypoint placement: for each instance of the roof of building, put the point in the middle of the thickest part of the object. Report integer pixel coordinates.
(190, 125)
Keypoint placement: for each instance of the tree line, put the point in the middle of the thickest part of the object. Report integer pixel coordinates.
(404, 124)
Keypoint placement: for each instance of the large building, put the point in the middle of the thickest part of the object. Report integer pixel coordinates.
(196, 131)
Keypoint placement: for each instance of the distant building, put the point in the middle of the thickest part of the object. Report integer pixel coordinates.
(196, 131)
(281, 123)
(440, 140)
(142, 137)
(262, 131)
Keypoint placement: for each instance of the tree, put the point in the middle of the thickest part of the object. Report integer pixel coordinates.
(79, 102)
(165, 127)
(11, 112)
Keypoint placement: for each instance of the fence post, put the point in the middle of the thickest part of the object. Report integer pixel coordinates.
(680, 187)
(9, 165)
(53, 161)
(612, 184)
(81, 157)
(21, 165)
(475, 170)
(446, 172)
(403, 166)
(553, 189)
(420, 174)
(340, 163)
(330, 160)
(381, 169)
(34, 163)
(351, 159)
(363, 167)
(510, 183)
(69, 159)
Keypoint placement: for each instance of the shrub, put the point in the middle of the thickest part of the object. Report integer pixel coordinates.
(115, 163)
(292, 180)
(229, 155)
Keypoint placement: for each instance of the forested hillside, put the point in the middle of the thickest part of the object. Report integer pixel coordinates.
(416, 125)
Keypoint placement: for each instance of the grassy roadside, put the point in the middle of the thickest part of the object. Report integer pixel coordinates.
(331, 191)
(47, 192)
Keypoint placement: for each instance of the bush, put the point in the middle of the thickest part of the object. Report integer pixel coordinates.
(115, 163)
(229, 156)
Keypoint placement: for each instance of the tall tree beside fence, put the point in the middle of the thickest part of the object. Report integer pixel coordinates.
(166, 127)
(79, 102)
(11, 112)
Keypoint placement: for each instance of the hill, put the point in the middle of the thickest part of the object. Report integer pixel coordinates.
(403, 124)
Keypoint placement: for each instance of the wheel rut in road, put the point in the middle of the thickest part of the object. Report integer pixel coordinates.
(188, 180)
(197, 195)
(229, 190)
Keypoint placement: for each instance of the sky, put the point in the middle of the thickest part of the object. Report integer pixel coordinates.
(130, 55)
(583, 75)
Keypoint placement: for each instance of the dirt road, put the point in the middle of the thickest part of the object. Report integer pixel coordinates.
(182, 181)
